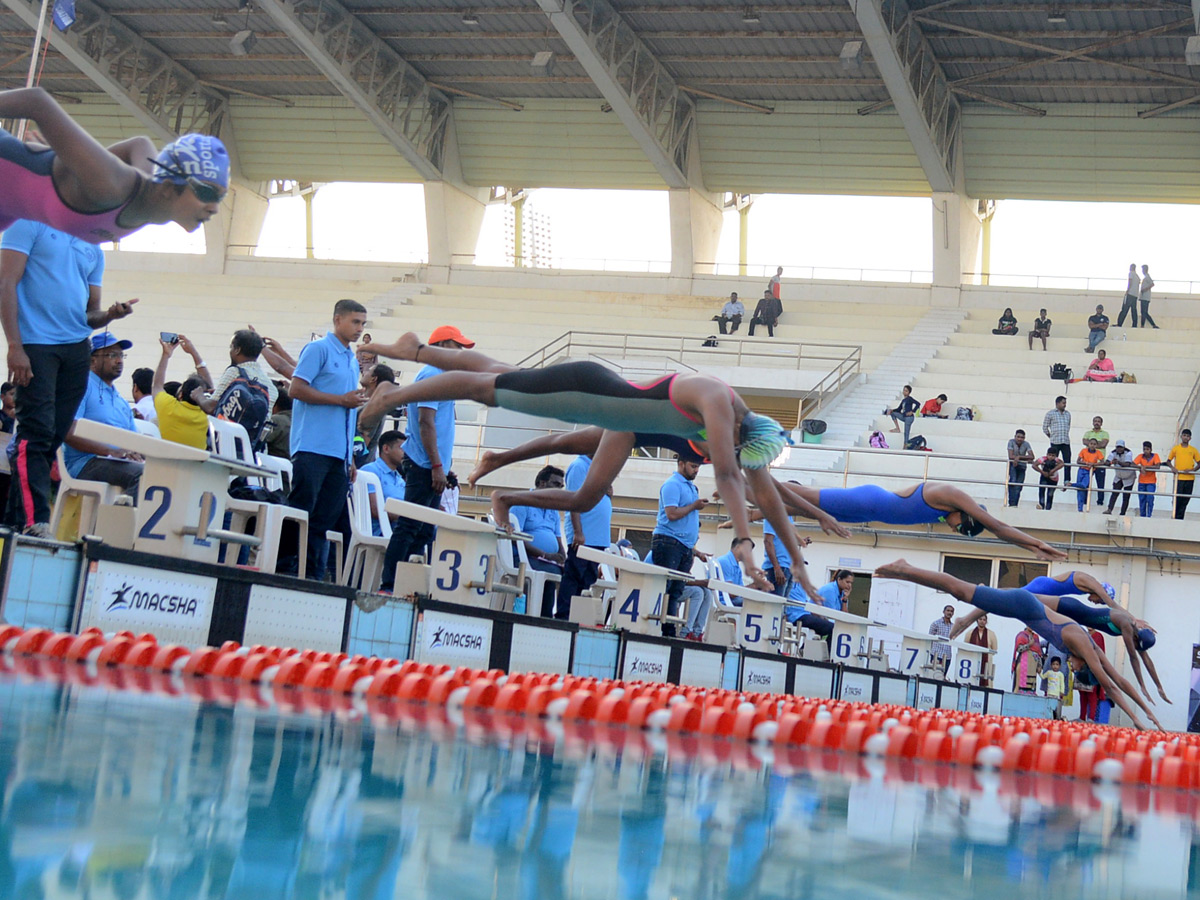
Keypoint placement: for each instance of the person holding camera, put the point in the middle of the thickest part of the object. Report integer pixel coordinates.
(180, 416)
(49, 305)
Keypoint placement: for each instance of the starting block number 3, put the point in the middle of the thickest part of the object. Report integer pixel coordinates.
(450, 571)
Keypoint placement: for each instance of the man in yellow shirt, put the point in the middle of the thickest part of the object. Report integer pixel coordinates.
(1184, 459)
(180, 418)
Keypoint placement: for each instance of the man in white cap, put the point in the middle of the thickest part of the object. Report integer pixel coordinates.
(1125, 475)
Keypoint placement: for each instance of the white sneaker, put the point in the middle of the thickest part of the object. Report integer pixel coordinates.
(39, 530)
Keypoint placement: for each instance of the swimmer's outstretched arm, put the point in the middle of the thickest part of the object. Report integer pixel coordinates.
(1153, 674)
(1113, 682)
(409, 347)
(477, 386)
(1135, 661)
(581, 442)
(941, 496)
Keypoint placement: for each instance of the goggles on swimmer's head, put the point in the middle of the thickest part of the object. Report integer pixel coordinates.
(762, 441)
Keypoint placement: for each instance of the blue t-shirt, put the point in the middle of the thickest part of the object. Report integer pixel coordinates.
(52, 295)
(327, 430)
(443, 418)
(390, 480)
(101, 403)
(678, 491)
(831, 595)
(597, 521)
(543, 525)
(781, 553)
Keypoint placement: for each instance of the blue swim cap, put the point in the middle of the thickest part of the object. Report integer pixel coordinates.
(193, 155)
(1110, 590)
(762, 440)
(1145, 639)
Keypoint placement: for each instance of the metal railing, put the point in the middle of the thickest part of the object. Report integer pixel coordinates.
(1072, 282)
(1191, 407)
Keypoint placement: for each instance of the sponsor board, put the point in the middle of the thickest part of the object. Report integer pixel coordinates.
(893, 691)
(174, 606)
(857, 686)
(976, 702)
(813, 681)
(702, 668)
(454, 640)
(537, 649)
(645, 662)
(927, 695)
(766, 675)
(283, 617)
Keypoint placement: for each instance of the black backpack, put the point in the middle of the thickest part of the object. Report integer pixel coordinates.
(1060, 372)
(916, 442)
(248, 403)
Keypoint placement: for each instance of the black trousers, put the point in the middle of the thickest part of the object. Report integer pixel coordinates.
(578, 575)
(1125, 489)
(46, 408)
(1098, 483)
(671, 553)
(1146, 320)
(1184, 489)
(734, 321)
(1064, 453)
(770, 323)
(1128, 307)
(1046, 489)
(320, 485)
(408, 535)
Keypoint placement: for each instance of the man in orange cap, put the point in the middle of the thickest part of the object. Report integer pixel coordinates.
(428, 454)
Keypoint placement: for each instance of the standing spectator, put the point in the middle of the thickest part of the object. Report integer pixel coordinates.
(1129, 303)
(1020, 454)
(449, 501)
(731, 314)
(775, 286)
(279, 429)
(939, 650)
(1100, 436)
(101, 403)
(905, 412)
(1056, 685)
(933, 408)
(325, 403)
(1027, 661)
(1148, 463)
(180, 418)
(1097, 328)
(677, 529)
(366, 359)
(1089, 459)
(982, 636)
(1101, 369)
(1041, 329)
(544, 527)
(143, 394)
(1057, 427)
(1125, 473)
(1007, 323)
(1049, 467)
(387, 469)
(1184, 459)
(429, 451)
(1144, 297)
(766, 313)
(587, 529)
(777, 562)
(49, 305)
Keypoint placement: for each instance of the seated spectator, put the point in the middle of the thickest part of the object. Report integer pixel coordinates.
(143, 394)
(92, 460)
(450, 494)
(244, 382)
(731, 314)
(1097, 328)
(180, 417)
(544, 527)
(933, 408)
(1041, 329)
(387, 469)
(766, 313)
(1008, 323)
(904, 412)
(8, 407)
(1101, 369)
(279, 428)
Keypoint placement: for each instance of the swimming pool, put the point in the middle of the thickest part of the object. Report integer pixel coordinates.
(121, 794)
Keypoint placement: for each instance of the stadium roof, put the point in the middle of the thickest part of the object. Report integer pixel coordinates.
(1065, 100)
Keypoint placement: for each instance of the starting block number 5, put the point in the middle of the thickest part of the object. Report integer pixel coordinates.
(752, 629)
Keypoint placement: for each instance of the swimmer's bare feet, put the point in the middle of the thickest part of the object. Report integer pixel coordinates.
(404, 347)
(500, 508)
(897, 569)
(486, 465)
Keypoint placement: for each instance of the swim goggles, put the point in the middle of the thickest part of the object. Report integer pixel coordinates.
(205, 191)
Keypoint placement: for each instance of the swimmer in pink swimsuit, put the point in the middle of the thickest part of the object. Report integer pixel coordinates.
(98, 194)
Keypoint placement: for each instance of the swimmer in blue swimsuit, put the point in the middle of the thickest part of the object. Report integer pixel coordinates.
(698, 408)
(1028, 608)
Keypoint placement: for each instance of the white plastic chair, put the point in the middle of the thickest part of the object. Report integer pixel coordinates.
(364, 556)
(281, 469)
(230, 440)
(93, 495)
(141, 426)
(535, 580)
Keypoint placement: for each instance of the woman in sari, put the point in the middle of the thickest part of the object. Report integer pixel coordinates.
(982, 636)
(1101, 369)
(1027, 662)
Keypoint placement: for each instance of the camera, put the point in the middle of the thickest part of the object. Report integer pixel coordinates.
(168, 337)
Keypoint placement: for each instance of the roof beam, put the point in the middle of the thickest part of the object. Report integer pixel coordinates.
(162, 95)
(642, 93)
(919, 89)
(412, 115)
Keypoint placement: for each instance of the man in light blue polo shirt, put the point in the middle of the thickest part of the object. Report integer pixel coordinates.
(49, 306)
(386, 467)
(429, 453)
(101, 403)
(325, 401)
(777, 562)
(677, 529)
(544, 526)
(588, 529)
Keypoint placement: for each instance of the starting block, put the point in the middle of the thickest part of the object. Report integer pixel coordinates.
(916, 653)
(464, 567)
(850, 644)
(760, 621)
(641, 590)
(970, 662)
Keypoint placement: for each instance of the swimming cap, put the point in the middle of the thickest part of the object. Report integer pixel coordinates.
(193, 155)
(763, 439)
(1145, 639)
(968, 525)
(1110, 590)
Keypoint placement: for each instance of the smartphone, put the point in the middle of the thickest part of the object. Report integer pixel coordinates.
(168, 337)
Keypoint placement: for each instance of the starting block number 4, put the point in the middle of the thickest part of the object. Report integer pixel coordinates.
(629, 609)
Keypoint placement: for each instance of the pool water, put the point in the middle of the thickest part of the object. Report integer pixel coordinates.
(120, 794)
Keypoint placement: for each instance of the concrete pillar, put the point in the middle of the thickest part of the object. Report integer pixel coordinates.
(696, 220)
(956, 234)
(235, 230)
(453, 218)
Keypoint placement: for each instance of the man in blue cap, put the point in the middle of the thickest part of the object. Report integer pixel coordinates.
(101, 403)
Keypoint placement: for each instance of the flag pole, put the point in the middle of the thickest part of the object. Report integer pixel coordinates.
(33, 60)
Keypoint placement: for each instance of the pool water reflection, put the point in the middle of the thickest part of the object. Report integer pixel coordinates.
(116, 794)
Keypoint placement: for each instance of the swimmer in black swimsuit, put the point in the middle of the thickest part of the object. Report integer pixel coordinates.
(692, 406)
(1025, 606)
